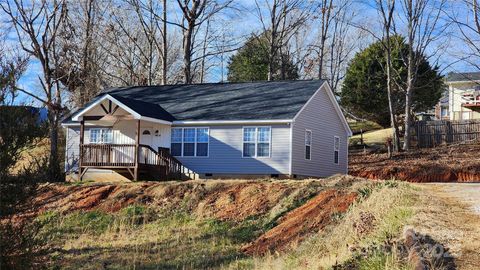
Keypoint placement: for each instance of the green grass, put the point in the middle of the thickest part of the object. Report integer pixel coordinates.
(140, 237)
(390, 202)
(363, 125)
(377, 137)
(149, 237)
(382, 261)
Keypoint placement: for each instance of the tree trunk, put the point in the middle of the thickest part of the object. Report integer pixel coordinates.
(408, 118)
(326, 11)
(204, 52)
(54, 171)
(408, 94)
(273, 40)
(271, 57)
(187, 51)
(393, 122)
(164, 45)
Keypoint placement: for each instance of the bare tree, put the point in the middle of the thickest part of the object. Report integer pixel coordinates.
(341, 43)
(164, 43)
(281, 22)
(468, 24)
(325, 7)
(153, 25)
(78, 55)
(386, 9)
(195, 13)
(423, 28)
(134, 40)
(36, 24)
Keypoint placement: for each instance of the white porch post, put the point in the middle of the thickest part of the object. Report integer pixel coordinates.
(137, 142)
(82, 131)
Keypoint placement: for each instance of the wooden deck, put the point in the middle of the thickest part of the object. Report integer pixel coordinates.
(132, 160)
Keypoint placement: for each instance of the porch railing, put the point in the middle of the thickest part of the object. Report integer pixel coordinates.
(123, 155)
(174, 168)
(108, 155)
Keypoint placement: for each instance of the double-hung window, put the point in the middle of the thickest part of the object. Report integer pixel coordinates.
(308, 144)
(256, 141)
(336, 149)
(190, 142)
(101, 135)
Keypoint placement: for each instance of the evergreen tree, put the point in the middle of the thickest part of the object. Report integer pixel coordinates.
(364, 90)
(250, 63)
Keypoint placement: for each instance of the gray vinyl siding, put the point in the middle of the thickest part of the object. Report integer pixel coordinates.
(72, 148)
(320, 117)
(225, 153)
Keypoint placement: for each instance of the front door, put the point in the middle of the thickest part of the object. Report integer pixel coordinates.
(146, 137)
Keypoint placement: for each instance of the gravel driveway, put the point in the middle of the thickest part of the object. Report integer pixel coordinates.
(468, 193)
(450, 213)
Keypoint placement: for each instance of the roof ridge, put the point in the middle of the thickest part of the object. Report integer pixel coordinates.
(121, 88)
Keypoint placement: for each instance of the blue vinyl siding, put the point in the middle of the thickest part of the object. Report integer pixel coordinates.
(225, 153)
(320, 117)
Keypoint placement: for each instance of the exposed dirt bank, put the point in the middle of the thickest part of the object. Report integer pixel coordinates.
(459, 163)
(310, 217)
(225, 200)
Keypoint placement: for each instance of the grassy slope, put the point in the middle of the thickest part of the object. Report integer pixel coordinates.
(377, 137)
(391, 204)
(357, 126)
(149, 238)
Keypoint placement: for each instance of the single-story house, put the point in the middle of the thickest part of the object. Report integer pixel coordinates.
(274, 129)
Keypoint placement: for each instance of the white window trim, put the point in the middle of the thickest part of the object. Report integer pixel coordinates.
(100, 129)
(256, 141)
(305, 142)
(195, 143)
(336, 150)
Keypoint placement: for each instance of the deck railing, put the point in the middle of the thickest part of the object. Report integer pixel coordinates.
(107, 155)
(175, 168)
(147, 155)
(123, 155)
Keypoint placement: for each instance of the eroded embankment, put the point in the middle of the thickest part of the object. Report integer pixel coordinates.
(225, 200)
(454, 163)
(295, 208)
(416, 176)
(308, 218)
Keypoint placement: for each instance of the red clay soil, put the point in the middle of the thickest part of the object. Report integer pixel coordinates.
(458, 163)
(243, 200)
(225, 200)
(310, 217)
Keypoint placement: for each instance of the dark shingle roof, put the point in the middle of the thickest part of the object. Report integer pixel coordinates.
(218, 101)
(145, 108)
(465, 76)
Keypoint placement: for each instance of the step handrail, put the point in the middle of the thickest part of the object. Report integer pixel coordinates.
(174, 167)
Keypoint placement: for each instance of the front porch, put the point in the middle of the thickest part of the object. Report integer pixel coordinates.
(132, 161)
(114, 137)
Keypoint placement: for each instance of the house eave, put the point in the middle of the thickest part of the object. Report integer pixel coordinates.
(203, 122)
(232, 122)
(463, 82)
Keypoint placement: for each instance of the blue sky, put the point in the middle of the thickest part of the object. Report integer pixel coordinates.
(246, 23)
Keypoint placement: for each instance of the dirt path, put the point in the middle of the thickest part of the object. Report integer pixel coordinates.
(450, 214)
